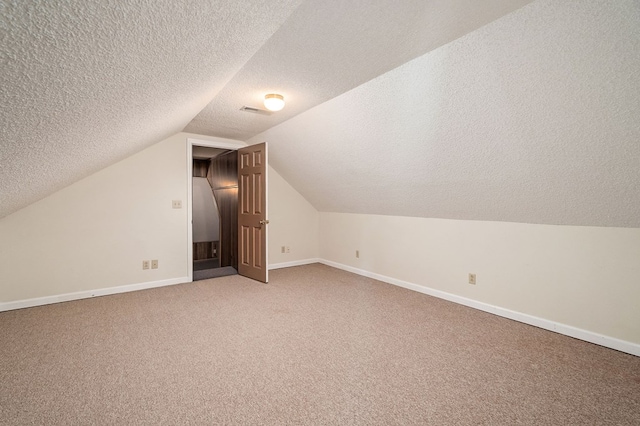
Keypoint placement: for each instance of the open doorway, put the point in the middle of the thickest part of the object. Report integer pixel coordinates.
(232, 179)
(215, 212)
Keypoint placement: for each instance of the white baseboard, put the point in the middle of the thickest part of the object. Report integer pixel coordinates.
(47, 300)
(567, 330)
(293, 263)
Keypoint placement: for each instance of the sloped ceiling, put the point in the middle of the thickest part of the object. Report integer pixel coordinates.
(328, 47)
(84, 84)
(533, 118)
(493, 110)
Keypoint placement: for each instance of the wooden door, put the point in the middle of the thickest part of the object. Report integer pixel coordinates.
(252, 212)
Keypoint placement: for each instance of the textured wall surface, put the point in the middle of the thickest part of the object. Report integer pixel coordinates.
(84, 84)
(532, 118)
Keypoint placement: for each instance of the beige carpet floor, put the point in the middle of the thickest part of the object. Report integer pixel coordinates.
(315, 346)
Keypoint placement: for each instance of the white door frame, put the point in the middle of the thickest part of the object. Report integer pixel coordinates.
(191, 142)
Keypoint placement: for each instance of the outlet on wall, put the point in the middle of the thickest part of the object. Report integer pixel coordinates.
(472, 279)
(288, 249)
(357, 254)
(145, 264)
(154, 264)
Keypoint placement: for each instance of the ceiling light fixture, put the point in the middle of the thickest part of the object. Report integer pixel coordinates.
(274, 102)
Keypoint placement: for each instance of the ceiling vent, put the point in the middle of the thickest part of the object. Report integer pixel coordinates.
(255, 110)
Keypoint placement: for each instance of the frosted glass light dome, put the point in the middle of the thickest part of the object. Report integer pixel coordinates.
(274, 102)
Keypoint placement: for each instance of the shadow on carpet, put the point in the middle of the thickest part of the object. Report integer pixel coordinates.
(214, 273)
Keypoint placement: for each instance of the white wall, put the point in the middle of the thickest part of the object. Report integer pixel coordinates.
(584, 277)
(95, 233)
(293, 223)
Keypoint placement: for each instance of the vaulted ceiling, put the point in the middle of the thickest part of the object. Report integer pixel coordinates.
(532, 118)
(328, 47)
(493, 110)
(85, 84)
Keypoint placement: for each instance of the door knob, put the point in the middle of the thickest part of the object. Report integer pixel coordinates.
(264, 222)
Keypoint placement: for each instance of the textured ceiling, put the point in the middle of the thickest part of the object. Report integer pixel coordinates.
(84, 84)
(532, 118)
(328, 47)
(529, 117)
